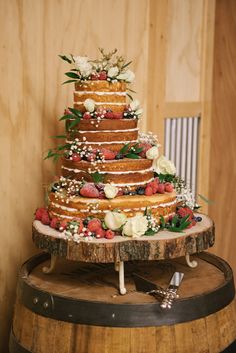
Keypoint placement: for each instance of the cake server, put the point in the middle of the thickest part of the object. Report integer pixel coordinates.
(167, 295)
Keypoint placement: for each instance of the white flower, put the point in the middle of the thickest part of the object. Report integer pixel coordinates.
(163, 166)
(110, 191)
(114, 220)
(127, 76)
(89, 105)
(134, 105)
(135, 226)
(82, 64)
(113, 71)
(152, 153)
(139, 111)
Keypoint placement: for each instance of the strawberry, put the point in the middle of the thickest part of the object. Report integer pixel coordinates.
(94, 224)
(108, 154)
(109, 234)
(102, 75)
(76, 157)
(161, 188)
(148, 191)
(117, 115)
(94, 76)
(63, 225)
(45, 219)
(108, 115)
(145, 146)
(39, 213)
(87, 115)
(184, 211)
(168, 187)
(100, 233)
(89, 190)
(54, 223)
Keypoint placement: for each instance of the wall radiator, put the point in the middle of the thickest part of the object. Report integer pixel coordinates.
(181, 147)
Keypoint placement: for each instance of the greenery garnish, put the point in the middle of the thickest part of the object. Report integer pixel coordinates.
(205, 199)
(56, 152)
(131, 151)
(176, 224)
(75, 116)
(97, 177)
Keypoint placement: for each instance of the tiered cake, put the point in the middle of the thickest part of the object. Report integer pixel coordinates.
(113, 180)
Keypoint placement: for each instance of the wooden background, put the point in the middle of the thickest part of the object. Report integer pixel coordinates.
(172, 47)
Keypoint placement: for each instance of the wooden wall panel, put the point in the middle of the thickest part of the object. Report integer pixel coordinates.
(223, 132)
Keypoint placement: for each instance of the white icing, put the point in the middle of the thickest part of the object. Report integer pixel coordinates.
(109, 172)
(102, 142)
(103, 103)
(98, 131)
(69, 209)
(100, 93)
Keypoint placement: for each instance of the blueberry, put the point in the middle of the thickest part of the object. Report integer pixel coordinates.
(119, 156)
(198, 219)
(140, 191)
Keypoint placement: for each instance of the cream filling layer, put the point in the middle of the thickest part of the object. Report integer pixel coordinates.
(103, 103)
(100, 93)
(99, 131)
(101, 142)
(138, 209)
(75, 170)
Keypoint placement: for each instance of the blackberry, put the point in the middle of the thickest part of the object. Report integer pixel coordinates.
(85, 222)
(140, 191)
(119, 156)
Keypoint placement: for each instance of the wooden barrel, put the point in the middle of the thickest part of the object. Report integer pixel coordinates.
(78, 309)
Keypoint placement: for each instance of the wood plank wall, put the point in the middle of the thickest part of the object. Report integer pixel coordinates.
(168, 42)
(223, 132)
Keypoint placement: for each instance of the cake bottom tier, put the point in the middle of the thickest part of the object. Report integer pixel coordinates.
(159, 205)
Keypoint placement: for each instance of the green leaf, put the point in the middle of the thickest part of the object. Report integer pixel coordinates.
(163, 223)
(74, 123)
(130, 97)
(125, 148)
(205, 199)
(137, 150)
(125, 65)
(66, 117)
(65, 58)
(132, 156)
(150, 232)
(76, 112)
(131, 90)
(72, 75)
(97, 177)
(69, 81)
(63, 147)
(59, 136)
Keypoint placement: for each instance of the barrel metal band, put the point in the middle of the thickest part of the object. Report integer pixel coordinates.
(125, 315)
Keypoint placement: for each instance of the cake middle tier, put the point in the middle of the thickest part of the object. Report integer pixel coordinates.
(122, 173)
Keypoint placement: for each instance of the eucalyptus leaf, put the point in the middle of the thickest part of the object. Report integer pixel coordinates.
(97, 177)
(72, 75)
(125, 65)
(76, 112)
(132, 156)
(66, 117)
(65, 58)
(69, 81)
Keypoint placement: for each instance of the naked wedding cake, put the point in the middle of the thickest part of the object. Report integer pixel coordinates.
(113, 179)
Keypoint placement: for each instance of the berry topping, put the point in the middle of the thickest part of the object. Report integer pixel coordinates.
(140, 191)
(94, 225)
(55, 223)
(117, 115)
(108, 154)
(108, 115)
(161, 188)
(39, 213)
(45, 218)
(148, 191)
(102, 75)
(63, 225)
(145, 146)
(94, 76)
(184, 211)
(89, 190)
(109, 234)
(100, 233)
(87, 115)
(76, 157)
(169, 187)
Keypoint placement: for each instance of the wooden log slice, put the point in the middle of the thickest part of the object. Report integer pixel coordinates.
(78, 309)
(163, 245)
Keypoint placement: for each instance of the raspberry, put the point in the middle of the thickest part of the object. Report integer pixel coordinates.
(148, 191)
(39, 213)
(117, 115)
(168, 187)
(145, 146)
(94, 225)
(108, 154)
(45, 219)
(63, 225)
(109, 234)
(161, 188)
(102, 195)
(154, 186)
(184, 211)
(54, 223)
(94, 77)
(91, 157)
(108, 115)
(120, 192)
(100, 233)
(102, 75)
(89, 190)
(87, 115)
(76, 157)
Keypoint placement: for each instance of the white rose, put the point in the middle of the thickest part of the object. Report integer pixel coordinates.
(152, 153)
(110, 191)
(113, 71)
(134, 105)
(163, 166)
(127, 76)
(135, 226)
(89, 105)
(114, 220)
(82, 64)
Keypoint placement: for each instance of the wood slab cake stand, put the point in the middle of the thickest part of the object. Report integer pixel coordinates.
(163, 245)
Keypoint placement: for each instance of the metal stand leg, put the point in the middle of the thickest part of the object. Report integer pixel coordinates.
(119, 266)
(190, 263)
(49, 269)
